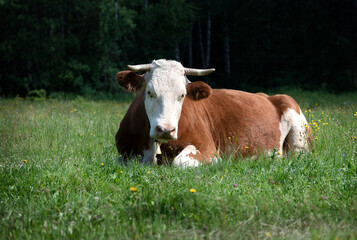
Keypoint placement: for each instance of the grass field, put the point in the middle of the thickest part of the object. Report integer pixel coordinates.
(58, 180)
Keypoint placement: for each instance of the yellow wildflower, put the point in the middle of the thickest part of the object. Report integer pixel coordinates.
(25, 161)
(133, 189)
(192, 190)
(268, 234)
(102, 164)
(149, 172)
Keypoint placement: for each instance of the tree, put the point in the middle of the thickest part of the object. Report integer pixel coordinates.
(78, 46)
(60, 45)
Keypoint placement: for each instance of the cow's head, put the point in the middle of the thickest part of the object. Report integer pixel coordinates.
(166, 87)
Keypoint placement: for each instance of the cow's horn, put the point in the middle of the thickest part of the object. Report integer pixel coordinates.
(198, 72)
(140, 67)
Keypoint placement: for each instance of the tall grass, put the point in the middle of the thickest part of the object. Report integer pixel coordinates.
(59, 180)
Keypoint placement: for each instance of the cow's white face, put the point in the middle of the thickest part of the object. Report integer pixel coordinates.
(164, 95)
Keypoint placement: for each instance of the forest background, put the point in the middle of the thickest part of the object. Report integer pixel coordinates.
(78, 46)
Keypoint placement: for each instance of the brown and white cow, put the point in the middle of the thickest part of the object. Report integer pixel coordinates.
(195, 124)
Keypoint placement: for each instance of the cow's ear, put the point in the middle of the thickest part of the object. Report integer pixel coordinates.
(130, 81)
(198, 90)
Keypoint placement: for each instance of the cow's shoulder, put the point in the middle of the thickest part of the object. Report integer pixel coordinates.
(136, 117)
(133, 133)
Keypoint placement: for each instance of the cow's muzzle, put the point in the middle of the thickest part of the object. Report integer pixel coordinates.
(165, 133)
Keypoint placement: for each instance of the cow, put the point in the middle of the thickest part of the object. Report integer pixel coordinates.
(190, 124)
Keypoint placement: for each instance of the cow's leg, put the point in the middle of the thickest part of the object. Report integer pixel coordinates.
(187, 157)
(190, 156)
(150, 154)
(297, 135)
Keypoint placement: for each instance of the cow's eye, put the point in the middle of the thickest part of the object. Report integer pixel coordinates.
(150, 94)
(180, 98)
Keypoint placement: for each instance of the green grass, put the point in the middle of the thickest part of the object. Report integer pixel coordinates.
(58, 180)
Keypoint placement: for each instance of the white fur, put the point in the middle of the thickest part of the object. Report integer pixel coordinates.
(183, 160)
(293, 130)
(165, 86)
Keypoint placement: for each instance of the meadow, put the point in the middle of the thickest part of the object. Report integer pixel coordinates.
(59, 179)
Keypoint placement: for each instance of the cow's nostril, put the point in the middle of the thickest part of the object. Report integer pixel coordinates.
(172, 131)
(159, 129)
(165, 131)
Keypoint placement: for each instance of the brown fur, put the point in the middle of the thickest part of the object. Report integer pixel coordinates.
(130, 81)
(262, 94)
(133, 134)
(222, 122)
(198, 90)
(283, 102)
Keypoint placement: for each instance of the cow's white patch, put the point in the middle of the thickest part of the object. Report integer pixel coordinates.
(165, 92)
(157, 148)
(293, 131)
(186, 158)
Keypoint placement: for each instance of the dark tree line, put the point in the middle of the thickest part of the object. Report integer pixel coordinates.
(79, 45)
